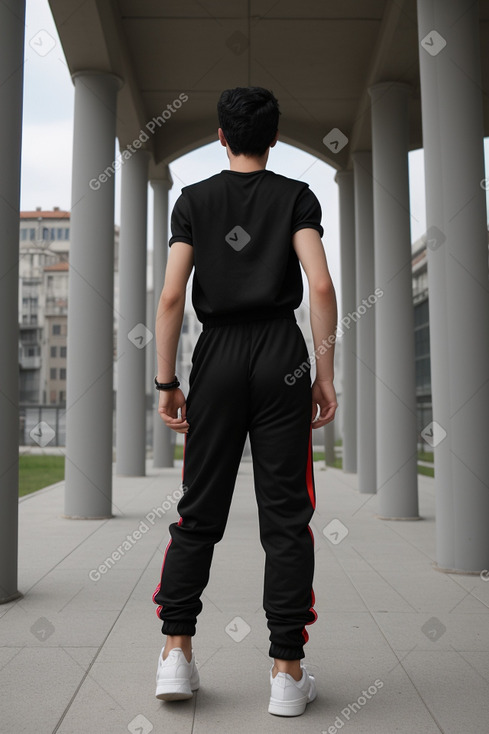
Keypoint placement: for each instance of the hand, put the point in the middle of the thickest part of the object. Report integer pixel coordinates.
(324, 396)
(169, 403)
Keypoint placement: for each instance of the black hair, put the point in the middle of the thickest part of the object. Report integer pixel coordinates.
(248, 117)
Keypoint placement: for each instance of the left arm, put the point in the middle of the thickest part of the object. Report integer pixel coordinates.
(169, 319)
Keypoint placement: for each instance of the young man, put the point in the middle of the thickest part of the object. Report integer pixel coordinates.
(244, 232)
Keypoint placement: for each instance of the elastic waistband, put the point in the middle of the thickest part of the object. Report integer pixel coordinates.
(248, 317)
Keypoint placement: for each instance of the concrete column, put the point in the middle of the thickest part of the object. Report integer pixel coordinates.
(366, 300)
(163, 441)
(90, 356)
(329, 454)
(12, 19)
(133, 333)
(394, 316)
(149, 371)
(348, 403)
(457, 277)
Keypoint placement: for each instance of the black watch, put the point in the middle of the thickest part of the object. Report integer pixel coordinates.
(167, 385)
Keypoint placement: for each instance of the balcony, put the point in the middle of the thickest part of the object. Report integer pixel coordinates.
(30, 363)
(56, 306)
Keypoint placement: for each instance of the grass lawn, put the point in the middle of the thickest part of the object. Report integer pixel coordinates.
(178, 453)
(423, 456)
(36, 472)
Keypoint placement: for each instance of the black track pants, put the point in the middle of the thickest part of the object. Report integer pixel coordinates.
(238, 385)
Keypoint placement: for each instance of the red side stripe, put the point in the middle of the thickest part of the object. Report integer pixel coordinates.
(158, 609)
(162, 567)
(184, 449)
(310, 475)
(312, 496)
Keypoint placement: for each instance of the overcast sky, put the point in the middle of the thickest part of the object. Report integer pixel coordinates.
(48, 134)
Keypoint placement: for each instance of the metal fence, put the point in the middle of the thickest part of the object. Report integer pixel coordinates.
(45, 426)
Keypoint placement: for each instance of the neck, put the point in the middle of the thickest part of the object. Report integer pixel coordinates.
(247, 164)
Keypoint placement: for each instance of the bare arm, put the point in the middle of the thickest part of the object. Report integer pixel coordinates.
(308, 246)
(169, 319)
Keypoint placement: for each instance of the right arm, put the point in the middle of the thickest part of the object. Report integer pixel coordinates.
(309, 249)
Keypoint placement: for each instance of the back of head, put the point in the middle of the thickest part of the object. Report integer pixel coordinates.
(248, 117)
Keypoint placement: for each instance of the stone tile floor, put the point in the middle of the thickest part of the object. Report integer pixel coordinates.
(398, 646)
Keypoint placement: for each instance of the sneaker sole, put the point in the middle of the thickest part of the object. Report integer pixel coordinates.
(287, 708)
(175, 690)
(174, 695)
(296, 707)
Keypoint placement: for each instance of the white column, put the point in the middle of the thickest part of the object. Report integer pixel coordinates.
(366, 300)
(328, 442)
(12, 19)
(149, 370)
(163, 443)
(394, 319)
(89, 400)
(133, 333)
(348, 403)
(457, 277)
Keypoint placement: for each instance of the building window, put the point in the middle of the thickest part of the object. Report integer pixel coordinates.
(23, 235)
(32, 234)
(67, 233)
(423, 373)
(56, 329)
(54, 351)
(62, 396)
(52, 397)
(62, 373)
(52, 234)
(31, 351)
(29, 336)
(62, 352)
(421, 314)
(422, 346)
(52, 373)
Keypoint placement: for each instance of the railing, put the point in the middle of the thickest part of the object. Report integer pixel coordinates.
(30, 363)
(45, 426)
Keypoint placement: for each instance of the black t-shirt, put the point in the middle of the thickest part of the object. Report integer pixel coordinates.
(240, 226)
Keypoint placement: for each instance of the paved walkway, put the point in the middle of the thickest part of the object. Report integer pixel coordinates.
(398, 647)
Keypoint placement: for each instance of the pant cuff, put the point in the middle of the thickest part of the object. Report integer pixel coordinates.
(286, 653)
(178, 628)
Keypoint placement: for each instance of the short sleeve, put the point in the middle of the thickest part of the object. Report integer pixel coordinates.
(181, 228)
(307, 212)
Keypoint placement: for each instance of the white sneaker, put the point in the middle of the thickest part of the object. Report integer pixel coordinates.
(176, 678)
(289, 697)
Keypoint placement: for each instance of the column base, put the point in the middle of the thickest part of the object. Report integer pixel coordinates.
(87, 517)
(436, 567)
(11, 597)
(396, 519)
